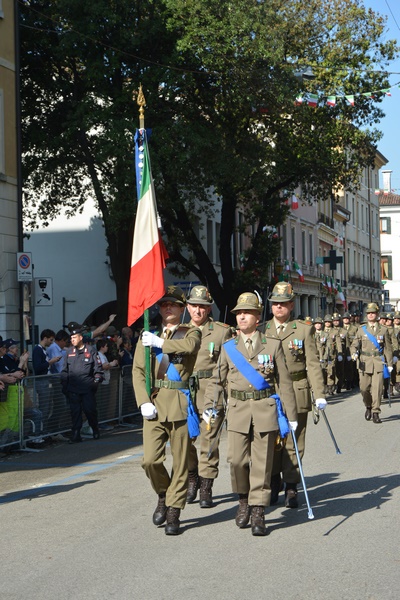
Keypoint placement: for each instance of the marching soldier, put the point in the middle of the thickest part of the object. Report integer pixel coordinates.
(349, 365)
(213, 334)
(331, 354)
(372, 346)
(302, 360)
(165, 410)
(322, 348)
(341, 343)
(395, 348)
(250, 366)
(396, 327)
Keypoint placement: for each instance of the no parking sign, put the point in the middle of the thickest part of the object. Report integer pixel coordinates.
(24, 266)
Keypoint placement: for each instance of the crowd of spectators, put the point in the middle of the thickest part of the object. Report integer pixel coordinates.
(46, 408)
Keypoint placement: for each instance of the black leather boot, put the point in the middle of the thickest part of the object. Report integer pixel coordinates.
(243, 511)
(206, 492)
(193, 486)
(173, 522)
(76, 437)
(160, 513)
(258, 521)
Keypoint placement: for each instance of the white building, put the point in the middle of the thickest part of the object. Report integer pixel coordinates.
(389, 224)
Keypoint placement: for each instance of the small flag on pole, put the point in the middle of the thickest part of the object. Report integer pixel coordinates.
(312, 100)
(331, 101)
(295, 202)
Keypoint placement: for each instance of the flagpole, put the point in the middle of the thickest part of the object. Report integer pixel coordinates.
(141, 101)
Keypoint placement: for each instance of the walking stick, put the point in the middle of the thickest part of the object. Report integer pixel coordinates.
(331, 432)
(310, 512)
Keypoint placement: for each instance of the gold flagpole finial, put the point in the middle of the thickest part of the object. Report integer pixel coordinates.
(141, 101)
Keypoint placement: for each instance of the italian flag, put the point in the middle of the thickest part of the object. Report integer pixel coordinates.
(146, 282)
(287, 266)
(331, 101)
(299, 271)
(329, 284)
(295, 202)
(312, 100)
(350, 99)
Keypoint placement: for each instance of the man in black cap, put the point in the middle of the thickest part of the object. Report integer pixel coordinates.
(80, 377)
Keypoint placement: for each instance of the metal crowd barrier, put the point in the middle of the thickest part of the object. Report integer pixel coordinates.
(36, 407)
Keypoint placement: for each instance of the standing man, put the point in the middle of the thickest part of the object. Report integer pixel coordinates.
(322, 349)
(372, 346)
(165, 410)
(57, 350)
(302, 360)
(395, 348)
(331, 354)
(250, 367)
(213, 335)
(396, 328)
(41, 364)
(80, 377)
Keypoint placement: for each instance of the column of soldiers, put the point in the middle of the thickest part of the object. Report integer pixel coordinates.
(232, 375)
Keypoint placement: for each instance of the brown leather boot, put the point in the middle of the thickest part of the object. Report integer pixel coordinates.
(291, 496)
(258, 521)
(243, 512)
(193, 486)
(173, 522)
(160, 513)
(206, 492)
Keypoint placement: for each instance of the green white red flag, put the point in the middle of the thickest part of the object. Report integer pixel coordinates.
(299, 271)
(146, 282)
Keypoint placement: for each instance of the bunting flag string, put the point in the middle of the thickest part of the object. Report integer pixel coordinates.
(314, 99)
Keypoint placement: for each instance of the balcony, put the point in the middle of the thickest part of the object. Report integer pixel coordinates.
(365, 282)
(325, 220)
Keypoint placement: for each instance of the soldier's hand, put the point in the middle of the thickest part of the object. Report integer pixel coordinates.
(149, 339)
(340, 358)
(390, 369)
(148, 411)
(354, 356)
(395, 359)
(348, 358)
(293, 425)
(320, 403)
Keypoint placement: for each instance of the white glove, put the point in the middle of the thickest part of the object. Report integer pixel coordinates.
(390, 369)
(348, 358)
(320, 403)
(340, 358)
(207, 414)
(149, 339)
(354, 356)
(148, 410)
(395, 359)
(293, 425)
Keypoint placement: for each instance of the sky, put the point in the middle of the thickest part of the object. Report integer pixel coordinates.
(389, 145)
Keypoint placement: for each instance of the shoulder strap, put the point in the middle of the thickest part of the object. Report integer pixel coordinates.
(371, 338)
(245, 368)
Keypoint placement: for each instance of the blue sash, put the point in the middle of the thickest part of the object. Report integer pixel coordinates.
(193, 420)
(372, 338)
(257, 381)
(245, 368)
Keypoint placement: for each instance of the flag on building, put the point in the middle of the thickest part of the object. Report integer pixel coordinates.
(299, 271)
(329, 284)
(287, 265)
(295, 202)
(146, 282)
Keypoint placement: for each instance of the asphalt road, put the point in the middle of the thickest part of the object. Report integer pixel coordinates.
(75, 523)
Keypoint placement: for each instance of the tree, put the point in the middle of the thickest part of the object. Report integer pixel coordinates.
(220, 84)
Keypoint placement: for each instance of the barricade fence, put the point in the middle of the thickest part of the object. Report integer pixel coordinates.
(36, 407)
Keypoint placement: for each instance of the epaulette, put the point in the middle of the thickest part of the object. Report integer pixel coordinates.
(222, 324)
(263, 339)
(304, 322)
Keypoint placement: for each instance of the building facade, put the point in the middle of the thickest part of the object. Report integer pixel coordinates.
(9, 210)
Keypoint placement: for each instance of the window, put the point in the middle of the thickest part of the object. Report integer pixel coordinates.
(385, 225)
(217, 241)
(386, 267)
(353, 211)
(210, 240)
(284, 241)
(293, 242)
(311, 248)
(303, 247)
(2, 145)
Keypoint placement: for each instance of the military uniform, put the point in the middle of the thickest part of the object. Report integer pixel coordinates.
(341, 343)
(170, 420)
(396, 329)
(349, 365)
(332, 353)
(305, 373)
(371, 363)
(252, 415)
(395, 349)
(322, 349)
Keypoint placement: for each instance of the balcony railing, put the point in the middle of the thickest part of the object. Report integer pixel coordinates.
(326, 220)
(364, 281)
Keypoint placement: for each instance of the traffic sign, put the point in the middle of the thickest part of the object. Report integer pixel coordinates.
(24, 266)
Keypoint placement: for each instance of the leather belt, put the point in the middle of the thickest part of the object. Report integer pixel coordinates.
(298, 376)
(202, 374)
(256, 395)
(375, 353)
(170, 385)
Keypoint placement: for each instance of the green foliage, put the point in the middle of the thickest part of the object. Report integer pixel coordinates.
(219, 80)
